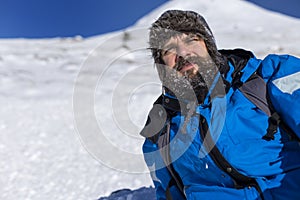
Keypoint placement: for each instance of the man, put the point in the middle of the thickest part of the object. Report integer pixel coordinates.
(227, 124)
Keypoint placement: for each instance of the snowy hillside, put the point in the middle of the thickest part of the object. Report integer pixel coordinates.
(72, 108)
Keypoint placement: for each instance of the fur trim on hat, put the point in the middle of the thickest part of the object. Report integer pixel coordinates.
(174, 22)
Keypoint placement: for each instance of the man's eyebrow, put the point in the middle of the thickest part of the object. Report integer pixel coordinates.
(191, 36)
(168, 46)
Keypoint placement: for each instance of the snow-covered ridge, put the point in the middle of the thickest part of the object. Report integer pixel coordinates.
(238, 23)
(41, 153)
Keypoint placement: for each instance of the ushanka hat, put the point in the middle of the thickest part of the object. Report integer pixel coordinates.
(174, 22)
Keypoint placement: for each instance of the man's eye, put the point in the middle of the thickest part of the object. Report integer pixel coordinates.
(168, 51)
(194, 39)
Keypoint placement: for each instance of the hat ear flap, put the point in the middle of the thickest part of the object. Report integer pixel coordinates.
(161, 69)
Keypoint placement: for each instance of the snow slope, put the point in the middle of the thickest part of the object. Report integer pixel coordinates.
(72, 108)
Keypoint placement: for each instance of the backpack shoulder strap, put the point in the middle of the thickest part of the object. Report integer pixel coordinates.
(255, 89)
(240, 180)
(157, 129)
(164, 148)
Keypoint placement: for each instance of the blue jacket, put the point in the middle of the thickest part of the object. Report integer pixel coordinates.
(237, 127)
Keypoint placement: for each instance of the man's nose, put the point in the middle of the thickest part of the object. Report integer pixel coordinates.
(182, 51)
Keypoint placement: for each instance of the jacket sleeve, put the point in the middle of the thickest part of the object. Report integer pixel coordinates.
(282, 74)
(159, 174)
(158, 171)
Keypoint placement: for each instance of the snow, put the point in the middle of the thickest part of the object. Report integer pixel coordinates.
(72, 108)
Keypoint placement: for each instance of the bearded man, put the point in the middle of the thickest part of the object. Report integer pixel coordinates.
(221, 128)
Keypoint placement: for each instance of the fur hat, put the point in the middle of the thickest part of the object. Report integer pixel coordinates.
(174, 22)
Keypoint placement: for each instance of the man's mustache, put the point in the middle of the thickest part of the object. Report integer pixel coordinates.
(181, 62)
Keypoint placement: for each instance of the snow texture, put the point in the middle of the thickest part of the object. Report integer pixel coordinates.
(49, 148)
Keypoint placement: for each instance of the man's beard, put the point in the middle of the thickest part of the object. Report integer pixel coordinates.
(192, 84)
